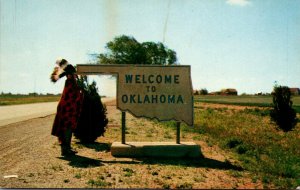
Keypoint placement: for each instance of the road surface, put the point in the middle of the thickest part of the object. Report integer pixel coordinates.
(17, 113)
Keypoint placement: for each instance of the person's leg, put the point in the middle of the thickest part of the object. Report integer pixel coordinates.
(66, 143)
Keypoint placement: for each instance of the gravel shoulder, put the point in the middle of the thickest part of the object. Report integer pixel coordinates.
(30, 152)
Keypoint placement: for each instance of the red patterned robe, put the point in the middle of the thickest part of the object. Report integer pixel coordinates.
(68, 109)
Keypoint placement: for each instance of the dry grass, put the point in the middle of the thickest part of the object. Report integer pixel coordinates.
(216, 128)
(94, 166)
(26, 99)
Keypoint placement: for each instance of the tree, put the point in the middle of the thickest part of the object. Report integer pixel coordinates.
(283, 113)
(203, 91)
(127, 50)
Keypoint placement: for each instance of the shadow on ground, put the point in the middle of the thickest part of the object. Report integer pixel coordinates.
(82, 162)
(185, 162)
(202, 162)
(96, 146)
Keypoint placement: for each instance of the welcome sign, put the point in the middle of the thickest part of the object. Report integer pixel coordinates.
(161, 92)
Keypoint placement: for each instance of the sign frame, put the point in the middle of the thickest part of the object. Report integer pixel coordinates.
(116, 69)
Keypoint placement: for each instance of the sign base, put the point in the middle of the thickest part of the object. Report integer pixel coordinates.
(156, 149)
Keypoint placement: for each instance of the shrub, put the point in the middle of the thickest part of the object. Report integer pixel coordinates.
(282, 113)
(92, 122)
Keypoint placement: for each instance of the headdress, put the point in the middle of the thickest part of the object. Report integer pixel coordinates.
(61, 69)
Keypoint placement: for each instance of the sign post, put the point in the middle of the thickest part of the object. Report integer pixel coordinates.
(123, 127)
(156, 92)
(178, 132)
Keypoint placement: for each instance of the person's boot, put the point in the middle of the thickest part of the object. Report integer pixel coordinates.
(66, 151)
(66, 145)
(70, 149)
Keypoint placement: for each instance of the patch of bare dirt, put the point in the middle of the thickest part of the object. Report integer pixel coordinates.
(30, 152)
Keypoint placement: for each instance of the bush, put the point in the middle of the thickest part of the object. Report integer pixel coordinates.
(93, 121)
(283, 114)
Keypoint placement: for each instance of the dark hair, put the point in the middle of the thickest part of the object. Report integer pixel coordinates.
(63, 62)
(69, 70)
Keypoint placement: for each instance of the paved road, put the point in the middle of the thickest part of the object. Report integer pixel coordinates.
(17, 113)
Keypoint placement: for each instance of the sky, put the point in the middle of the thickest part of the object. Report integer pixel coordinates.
(241, 44)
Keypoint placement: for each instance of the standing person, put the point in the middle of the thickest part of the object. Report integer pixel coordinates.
(69, 106)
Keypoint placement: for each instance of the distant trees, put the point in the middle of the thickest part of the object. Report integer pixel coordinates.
(127, 50)
(203, 91)
(283, 113)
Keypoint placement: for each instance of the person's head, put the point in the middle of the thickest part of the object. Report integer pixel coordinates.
(61, 62)
(59, 69)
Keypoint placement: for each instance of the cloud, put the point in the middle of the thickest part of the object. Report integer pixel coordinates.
(241, 3)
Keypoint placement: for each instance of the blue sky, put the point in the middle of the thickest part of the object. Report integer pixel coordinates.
(239, 44)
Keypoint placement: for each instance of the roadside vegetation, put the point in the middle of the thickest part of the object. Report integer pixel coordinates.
(242, 147)
(283, 113)
(271, 155)
(15, 99)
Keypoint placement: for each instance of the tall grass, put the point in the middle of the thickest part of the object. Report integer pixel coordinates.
(260, 147)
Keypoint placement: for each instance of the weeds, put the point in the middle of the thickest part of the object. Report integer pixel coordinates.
(98, 183)
(149, 135)
(154, 173)
(167, 135)
(232, 142)
(197, 138)
(128, 172)
(77, 176)
(133, 133)
(166, 177)
(166, 186)
(56, 168)
(184, 186)
(235, 173)
(199, 179)
(272, 155)
(257, 111)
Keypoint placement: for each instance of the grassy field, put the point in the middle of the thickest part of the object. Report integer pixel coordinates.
(26, 99)
(260, 101)
(271, 155)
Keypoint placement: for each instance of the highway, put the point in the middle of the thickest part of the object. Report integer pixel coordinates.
(17, 113)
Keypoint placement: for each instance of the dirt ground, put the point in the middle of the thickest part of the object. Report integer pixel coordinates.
(30, 152)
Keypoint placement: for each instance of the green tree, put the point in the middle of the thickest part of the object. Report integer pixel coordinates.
(127, 50)
(283, 113)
